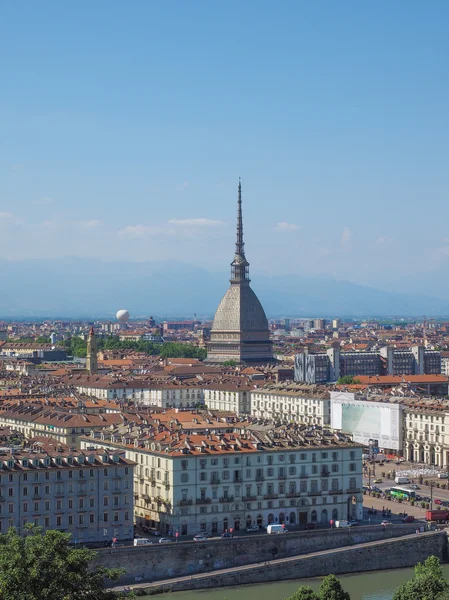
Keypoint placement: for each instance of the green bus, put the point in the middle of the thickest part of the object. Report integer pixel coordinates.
(402, 492)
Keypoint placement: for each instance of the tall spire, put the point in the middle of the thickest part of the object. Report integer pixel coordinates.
(239, 244)
(239, 266)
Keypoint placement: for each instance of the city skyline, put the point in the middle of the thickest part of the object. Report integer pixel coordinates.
(125, 132)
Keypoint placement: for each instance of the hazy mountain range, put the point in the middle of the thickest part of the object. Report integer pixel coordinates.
(72, 287)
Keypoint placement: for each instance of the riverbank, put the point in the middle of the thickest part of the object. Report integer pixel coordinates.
(384, 554)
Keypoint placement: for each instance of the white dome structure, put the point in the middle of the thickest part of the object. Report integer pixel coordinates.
(122, 316)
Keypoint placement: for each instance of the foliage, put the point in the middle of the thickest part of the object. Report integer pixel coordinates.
(304, 593)
(43, 566)
(347, 380)
(230, 363)
(427, 584)
(78, 347)
(330, 589)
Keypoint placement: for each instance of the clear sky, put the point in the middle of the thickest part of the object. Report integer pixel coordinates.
(124, 127)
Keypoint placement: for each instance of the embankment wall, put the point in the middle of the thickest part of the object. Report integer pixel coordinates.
(163, 561)
(392, 554)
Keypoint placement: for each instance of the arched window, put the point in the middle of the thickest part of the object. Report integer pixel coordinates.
(335, 514)
(292, 518)
(314, 516)
(324, 515)
(270, 518)
(282, 518)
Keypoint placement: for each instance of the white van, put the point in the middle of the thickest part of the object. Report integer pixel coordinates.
(142, 542)
(342, 524)
(402, 480)
(276, 529)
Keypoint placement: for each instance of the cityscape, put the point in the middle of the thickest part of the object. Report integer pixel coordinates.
(224, 309)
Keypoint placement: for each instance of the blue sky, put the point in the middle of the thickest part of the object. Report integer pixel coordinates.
(124, 127)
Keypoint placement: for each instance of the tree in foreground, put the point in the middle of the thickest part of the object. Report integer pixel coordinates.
(304, 593)
(427, 584)
(43, 566)
(330, 589)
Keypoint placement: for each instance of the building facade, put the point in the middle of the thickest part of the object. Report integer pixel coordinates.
(217, 482)
(88, 494)
(291, 404)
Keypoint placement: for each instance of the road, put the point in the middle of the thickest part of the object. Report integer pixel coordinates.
(278, 561)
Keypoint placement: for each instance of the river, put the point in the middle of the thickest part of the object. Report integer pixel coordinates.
(378, 585)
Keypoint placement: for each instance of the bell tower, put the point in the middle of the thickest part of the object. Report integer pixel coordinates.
(92, 360)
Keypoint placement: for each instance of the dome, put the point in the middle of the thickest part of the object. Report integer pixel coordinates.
(240, 310)
(122, 316)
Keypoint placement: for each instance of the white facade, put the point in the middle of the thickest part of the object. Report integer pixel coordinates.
(290, 407)
(233, 489)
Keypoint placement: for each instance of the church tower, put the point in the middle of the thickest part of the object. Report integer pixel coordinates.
(240, 328)
(92, 361)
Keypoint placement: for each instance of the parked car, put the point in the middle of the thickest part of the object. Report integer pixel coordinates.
(163, 540)
(444, 475)
(226, 535)
(408, 519)
(386, 523)
(378, 480)
(353, 522)
(252, 528)
(438, 501)
(413, 486)
(199, 538)
(311, 526)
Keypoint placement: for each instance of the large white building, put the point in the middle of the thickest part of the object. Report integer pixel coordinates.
(191, 482)
(292, 403)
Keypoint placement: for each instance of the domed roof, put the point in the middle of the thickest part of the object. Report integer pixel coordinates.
(240, 310)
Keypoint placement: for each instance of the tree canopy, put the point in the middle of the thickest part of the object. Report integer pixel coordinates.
(348, 379)
(76, 346)
(427, 584)
(330, 589)
(43, 566)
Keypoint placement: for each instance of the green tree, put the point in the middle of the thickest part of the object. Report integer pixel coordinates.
(330, 589)
(348, 379)
(304, 593)
(43, 566)
(427, 584)
(230, 363)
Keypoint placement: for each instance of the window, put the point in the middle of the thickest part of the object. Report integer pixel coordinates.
(25, 491)
(58, 521)
(105, 517)
(184, 477)
(335, 468)
(352, 467)
(106, 501)
(70, 519)
(352, 455)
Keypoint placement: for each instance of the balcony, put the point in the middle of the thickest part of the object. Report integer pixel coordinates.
(227, 499)
(249, 498)
(237, 480)
(260, 478)
(353, 491)
(315, 493)
(185, 502)
(215, 481)
(335, 492)
(282, 476)
(203, 500)
(270, 496)
(116, 477)
(324, 474)
(293, 494)
(303, 475)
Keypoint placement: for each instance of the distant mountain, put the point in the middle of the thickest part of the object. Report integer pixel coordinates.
(72, 287)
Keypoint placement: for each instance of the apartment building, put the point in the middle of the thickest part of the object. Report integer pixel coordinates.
(88, 494)
(333, 364)
(213, 482)
(51, 422)
(292, 403)
(426, 435)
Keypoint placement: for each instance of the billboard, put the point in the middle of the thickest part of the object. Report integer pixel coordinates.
(366, 419)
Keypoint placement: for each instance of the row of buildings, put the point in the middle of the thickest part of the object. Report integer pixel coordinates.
(329, 366)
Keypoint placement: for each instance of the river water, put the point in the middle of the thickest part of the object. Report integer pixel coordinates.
(378, 585)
